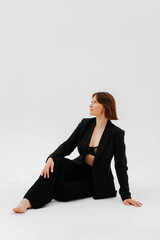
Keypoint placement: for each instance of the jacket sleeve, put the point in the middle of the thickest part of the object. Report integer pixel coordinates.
(69, 145)
(121, 167)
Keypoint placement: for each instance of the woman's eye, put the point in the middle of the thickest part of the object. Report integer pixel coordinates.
(93, 102)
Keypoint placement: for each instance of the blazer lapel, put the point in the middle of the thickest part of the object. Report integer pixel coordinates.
(88, 134)
(107, 133)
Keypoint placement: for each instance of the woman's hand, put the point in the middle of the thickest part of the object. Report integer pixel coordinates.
(132, 202)
(49, 165)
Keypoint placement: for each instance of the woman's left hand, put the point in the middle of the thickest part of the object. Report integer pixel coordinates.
(132, 202)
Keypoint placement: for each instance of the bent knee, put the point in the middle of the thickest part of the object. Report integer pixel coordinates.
(59, 160)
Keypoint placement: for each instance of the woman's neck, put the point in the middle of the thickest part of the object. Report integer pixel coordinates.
(101, 122)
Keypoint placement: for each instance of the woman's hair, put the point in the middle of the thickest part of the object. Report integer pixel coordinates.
(109, 104)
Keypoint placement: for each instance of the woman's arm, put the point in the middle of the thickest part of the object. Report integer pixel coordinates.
(121, 163)
(69, 145)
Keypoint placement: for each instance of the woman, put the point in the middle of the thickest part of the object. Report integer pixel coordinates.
(88, 175)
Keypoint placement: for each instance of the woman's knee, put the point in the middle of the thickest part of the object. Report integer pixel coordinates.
(59, 162)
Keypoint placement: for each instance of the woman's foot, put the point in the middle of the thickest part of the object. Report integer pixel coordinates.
(22, 206)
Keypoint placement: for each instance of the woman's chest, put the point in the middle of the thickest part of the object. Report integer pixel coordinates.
(93, 145)
(96, 137)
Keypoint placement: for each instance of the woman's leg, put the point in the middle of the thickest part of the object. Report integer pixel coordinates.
(77, 184)
(68, 181)
(40, 192)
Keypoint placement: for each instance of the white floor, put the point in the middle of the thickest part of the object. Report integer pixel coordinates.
(81, 219)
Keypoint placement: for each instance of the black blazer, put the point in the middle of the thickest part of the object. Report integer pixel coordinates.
(111, 144)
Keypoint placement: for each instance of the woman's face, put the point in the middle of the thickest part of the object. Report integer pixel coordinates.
(96, 108)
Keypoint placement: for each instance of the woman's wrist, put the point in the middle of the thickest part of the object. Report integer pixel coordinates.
(49, 160)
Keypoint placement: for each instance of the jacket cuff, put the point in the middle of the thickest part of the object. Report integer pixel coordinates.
(125, 197)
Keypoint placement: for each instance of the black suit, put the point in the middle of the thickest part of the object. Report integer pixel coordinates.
(111, 144)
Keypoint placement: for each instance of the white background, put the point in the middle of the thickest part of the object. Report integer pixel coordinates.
(53, 56)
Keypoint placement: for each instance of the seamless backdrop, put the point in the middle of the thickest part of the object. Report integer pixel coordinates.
(53, 56)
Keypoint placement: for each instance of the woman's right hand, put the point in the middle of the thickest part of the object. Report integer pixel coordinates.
(49, 165)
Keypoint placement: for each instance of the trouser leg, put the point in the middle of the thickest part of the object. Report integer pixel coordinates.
(41, 192)
(68, 181)
(76, 182)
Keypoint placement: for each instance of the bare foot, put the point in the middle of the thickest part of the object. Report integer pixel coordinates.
(22, 206)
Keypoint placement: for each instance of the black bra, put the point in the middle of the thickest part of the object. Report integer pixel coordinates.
(92, 150)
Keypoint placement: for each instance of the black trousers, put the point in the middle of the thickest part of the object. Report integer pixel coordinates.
(68, 181)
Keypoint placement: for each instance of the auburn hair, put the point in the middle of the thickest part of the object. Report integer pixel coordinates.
(108, 101)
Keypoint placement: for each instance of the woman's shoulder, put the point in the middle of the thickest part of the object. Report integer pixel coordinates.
(87, 120)
(84, 121)
(115, 127)
(118, 130)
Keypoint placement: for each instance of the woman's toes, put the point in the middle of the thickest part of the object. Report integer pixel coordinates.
(19, 210)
